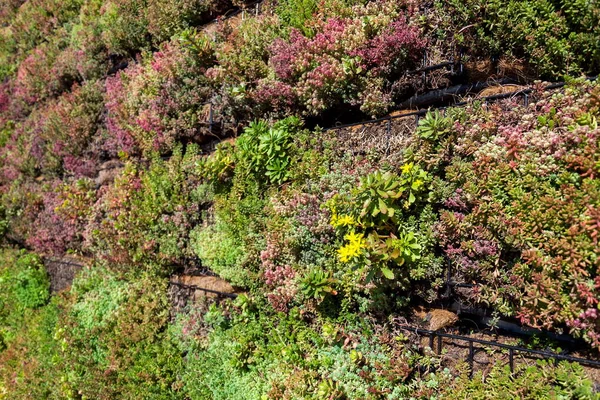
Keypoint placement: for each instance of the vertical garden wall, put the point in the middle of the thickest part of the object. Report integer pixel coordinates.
(144, 140)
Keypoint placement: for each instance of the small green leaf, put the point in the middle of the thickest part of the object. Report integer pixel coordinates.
(383, 207)
(387, 273)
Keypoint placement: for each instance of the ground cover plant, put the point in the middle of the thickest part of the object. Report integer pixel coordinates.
(136, 138)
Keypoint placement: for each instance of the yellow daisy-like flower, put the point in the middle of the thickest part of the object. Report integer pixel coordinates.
(342, 220)
(355, 239)
(353, 248)
(406, 168)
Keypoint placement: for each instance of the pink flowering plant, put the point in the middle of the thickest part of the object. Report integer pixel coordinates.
(160, 100)
(348, 59)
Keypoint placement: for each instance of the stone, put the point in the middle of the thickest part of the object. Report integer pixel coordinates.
(108, 172)
(440, 319)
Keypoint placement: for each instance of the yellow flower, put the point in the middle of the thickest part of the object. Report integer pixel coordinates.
(354, 238)
(406, 168)
(346, 253)
(353, 248)
(342, 220)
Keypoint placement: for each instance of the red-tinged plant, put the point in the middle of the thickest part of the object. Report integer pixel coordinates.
(348, 61)
(37, 20)
(160, 100)
(523, 221)
(120, 139)
(51, 216)
(387, 53)
(56, 137)
(34, 80)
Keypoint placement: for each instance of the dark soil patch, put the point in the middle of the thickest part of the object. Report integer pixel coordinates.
(62, 271)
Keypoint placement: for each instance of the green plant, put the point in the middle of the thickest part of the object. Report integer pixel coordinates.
(541, 381)
(219, 165)
(31, 286)
(548, 120)
(317, 284)
(433, 126)
(401, 249)
(199, 43)
(328, 389)
(377, 194)
(266, 150)
(296, 13)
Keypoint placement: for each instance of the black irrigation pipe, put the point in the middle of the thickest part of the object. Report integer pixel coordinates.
(194, 287)
(511, 349)
(419, 113)
(432, 67)
(461, 285)
(447, 94)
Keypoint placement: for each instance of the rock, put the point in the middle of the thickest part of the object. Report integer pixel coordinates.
(108, 171)
(205, 282)
(440, 319)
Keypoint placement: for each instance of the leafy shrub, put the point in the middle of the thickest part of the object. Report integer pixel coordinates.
(219, 166)
(144, 219)
(37, 20)
(166, 19)
(296, 13)
(527, 382)
(24, 286)
(327, 244)
(58, 137)
(522, 200)
(124, 26)
(383, 231)
(105, 338)
(231, 244)
(348, 60)
(113, 339)
(242, 54)
(33, 341)
(554, 37)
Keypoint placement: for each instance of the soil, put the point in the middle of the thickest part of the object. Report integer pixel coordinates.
(455, 352)
(505, 67)
(232, 22)
(108, 172)
(500, 89)
(385, 138)
(206, 282)
(62, 271)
